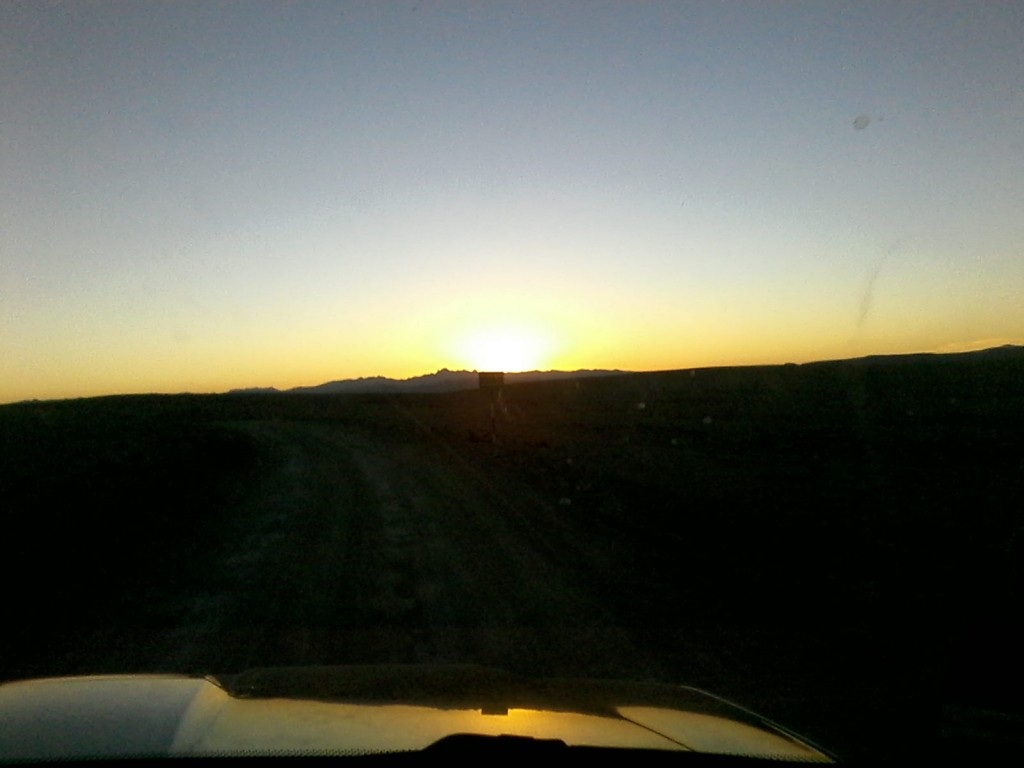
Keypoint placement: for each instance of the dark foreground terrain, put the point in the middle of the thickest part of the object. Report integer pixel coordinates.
(836, 545)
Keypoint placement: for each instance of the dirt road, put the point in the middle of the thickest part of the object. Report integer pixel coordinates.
(355, 548)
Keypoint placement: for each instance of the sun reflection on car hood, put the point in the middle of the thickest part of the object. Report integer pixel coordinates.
(367, 710)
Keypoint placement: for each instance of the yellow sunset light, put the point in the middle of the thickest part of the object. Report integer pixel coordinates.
(504, 348)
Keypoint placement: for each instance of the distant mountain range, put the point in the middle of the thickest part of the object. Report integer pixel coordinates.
(442, 381)
(453, 381)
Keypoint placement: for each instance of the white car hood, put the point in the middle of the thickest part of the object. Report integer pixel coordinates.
(166, 715)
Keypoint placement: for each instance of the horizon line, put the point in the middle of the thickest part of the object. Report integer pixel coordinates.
(609, 371)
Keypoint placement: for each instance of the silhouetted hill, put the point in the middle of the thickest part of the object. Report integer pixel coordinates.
(446, 380)
(443, 380)
(1004, 352)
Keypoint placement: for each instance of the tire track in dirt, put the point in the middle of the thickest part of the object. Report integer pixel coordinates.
(357, 547)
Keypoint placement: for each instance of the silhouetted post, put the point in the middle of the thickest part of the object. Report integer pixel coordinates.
(493, 381)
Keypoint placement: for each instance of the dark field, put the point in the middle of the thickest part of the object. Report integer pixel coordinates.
(830, 544)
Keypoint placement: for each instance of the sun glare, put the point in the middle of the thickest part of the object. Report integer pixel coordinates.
(506, 348)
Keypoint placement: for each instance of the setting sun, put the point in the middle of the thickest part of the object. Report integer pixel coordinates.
(504, 348)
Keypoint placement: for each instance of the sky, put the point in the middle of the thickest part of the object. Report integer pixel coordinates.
(203, 196)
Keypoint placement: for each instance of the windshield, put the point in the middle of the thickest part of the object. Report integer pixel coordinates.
(669, 343)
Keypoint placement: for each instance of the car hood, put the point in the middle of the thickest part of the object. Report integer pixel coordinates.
(359, 710)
